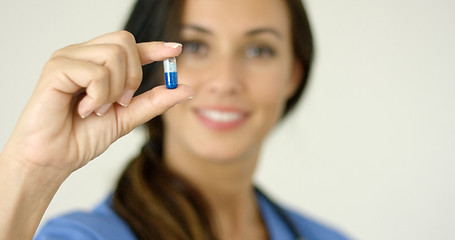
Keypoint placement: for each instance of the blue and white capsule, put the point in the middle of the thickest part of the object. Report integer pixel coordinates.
(170, 72)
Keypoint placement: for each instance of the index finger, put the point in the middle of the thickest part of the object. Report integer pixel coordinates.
(148, 52)
(157, 51)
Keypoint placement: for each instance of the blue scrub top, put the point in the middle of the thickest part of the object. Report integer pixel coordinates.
(104, 224)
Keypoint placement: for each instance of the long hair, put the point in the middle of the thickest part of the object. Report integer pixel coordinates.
(154, 201)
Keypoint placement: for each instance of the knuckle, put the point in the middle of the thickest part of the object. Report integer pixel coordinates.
(52, 64)
(116, 51)
(115, 94)
(157, 103)
(153, 100)
(135, 78)
(99, 98)
(125, 36)
(99, 73)
(100, 80)
(63, 51)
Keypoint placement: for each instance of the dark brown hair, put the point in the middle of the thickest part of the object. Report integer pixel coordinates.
(154, 201)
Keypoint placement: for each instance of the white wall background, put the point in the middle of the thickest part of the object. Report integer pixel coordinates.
(370, 150)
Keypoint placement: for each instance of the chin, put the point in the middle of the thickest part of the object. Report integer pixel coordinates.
(226, 153)
(221, 158)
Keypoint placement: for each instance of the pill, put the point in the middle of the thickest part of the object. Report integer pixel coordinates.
(170, 72)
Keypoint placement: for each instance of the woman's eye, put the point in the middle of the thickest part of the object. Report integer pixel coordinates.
(194, 48)
(261, 52)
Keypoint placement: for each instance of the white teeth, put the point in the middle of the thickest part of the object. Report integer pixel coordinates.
(221, 116)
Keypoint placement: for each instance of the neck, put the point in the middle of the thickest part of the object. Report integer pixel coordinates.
(228, 189)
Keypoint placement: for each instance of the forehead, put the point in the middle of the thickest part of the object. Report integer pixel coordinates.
(237, 15)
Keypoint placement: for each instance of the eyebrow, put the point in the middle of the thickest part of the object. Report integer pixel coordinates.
(197, 28)
(262, 31)
(250, 33)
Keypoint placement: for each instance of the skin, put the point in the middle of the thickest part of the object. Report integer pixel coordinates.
(98, 77)
(228, 62)
(59, 132)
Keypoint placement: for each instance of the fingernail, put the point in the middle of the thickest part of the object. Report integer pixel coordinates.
(102, 110)
(84, 108)
(187, 99)
(126, 97)
(172, 44)
(86, 114)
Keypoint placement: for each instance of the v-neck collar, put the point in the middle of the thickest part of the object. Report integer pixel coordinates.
(276, 228)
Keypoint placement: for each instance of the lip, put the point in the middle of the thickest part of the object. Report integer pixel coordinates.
(221, 118)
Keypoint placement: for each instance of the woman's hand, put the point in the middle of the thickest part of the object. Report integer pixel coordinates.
(81, 104)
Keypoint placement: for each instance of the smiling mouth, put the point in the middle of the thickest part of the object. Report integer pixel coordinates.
(221, 116)
(221, 119)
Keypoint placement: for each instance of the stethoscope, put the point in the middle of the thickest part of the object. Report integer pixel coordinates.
(284, 217)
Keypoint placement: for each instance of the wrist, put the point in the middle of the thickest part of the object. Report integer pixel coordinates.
(30, 173)
(26, 191)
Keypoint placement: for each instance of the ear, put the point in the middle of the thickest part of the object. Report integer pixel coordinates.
(295, 78)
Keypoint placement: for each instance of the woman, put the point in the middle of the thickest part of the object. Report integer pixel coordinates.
(246, 64)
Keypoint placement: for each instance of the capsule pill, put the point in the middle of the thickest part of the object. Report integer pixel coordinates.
(170, 72)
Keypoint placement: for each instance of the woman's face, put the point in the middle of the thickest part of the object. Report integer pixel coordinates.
(238, 58)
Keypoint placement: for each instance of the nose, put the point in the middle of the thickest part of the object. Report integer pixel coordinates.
(226, 76)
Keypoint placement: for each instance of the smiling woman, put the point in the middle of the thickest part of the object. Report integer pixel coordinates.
(246, 63)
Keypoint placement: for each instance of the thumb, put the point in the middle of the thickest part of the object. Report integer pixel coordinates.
(149, 105)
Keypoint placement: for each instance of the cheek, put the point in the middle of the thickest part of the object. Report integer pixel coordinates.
(270, 88)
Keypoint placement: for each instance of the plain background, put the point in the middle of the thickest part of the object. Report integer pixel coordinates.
(370, 149)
